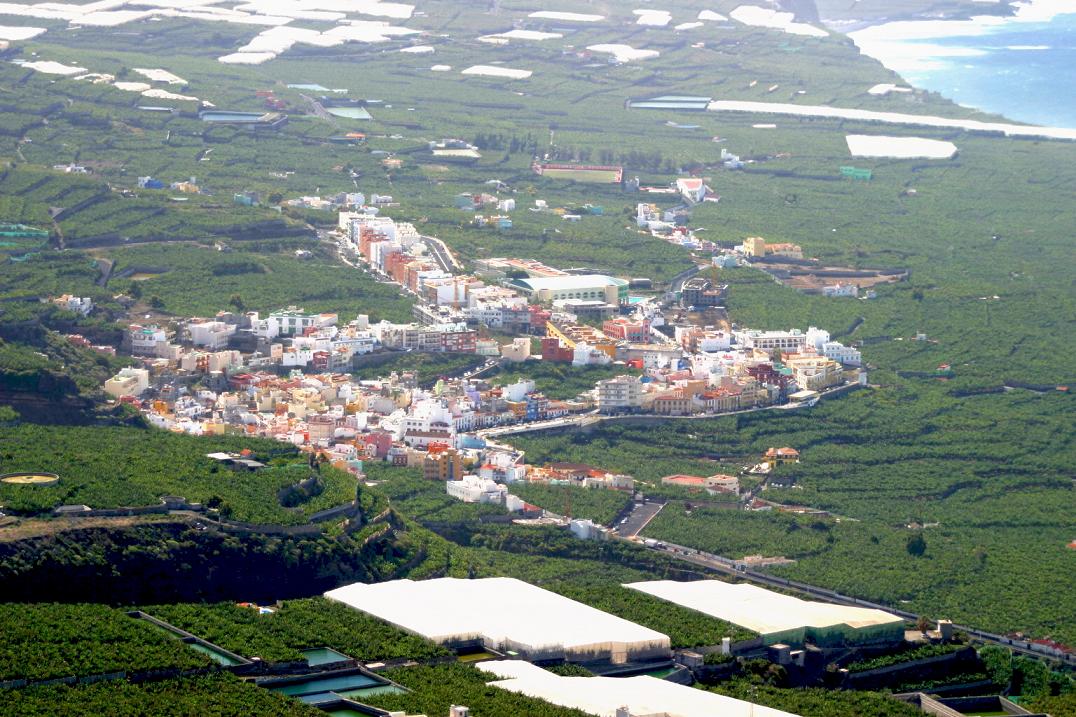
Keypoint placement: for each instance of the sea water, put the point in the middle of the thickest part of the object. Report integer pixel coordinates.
(1022, 67)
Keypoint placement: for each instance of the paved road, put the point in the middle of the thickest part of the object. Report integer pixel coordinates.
(442, 255)
(638, 519)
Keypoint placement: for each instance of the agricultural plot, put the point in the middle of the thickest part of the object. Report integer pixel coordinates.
(46, 641)
(218, 693)
(110, 467)
(297, 625)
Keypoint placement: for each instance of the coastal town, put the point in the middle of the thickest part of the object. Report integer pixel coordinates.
(289, 375)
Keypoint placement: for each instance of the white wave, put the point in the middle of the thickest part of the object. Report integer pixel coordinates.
(1012, 130)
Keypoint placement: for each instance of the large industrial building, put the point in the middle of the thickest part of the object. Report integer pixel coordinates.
(609, 696)
(505, 615)
(547, 289)
(780, 618)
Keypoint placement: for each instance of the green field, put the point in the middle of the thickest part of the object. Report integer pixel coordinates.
(941, 492)
(47, 641)
(111, 467)
(295, 626)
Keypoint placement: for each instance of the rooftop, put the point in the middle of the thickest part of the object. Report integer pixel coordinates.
(561, 283)
(643, 695)
(504, 611)
(759, 609)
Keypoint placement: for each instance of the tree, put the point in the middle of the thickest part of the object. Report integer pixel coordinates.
(156, 302)
(917, 545)
(237, 301)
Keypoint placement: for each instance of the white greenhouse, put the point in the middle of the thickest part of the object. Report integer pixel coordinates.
(603, 696)
(506, 615)
(779, 618)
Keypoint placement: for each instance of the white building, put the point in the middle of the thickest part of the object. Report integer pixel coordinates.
(210, 334)
(587, 530)
(289, 322)
(623, 393)
(519, 350)
(792, 340)
(147, 340)
(517, 391)
(428, 421)
(586, 355)
(692, 189)
(839, 289)
(79, 305)
(842, 354)
(128, 382)
(472, 489)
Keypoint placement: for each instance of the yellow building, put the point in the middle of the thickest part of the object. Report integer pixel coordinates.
(442, 463)
(755, 246)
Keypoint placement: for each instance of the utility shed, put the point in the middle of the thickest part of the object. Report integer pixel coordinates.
(603, 696)
(505, 614)
(779, 618)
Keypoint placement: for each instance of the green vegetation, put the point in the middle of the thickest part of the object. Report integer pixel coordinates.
(435, 689)
(45, 641)
(426, 500)
(1025, 677)
(297, 625)
(895, 458)
(817, 702)
(119, 466)
(85, 212)
(976, 481)
(256, 277)
(1056, 705)
(736, 533)
(559, 381)
(427, 367)
(918, 653)
(686, 628)
(216, 694)
(598, 504)
(569, 669)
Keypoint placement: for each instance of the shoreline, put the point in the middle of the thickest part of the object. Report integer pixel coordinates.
(911, 48)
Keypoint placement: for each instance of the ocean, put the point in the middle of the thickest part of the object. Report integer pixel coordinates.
(1023, 67)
